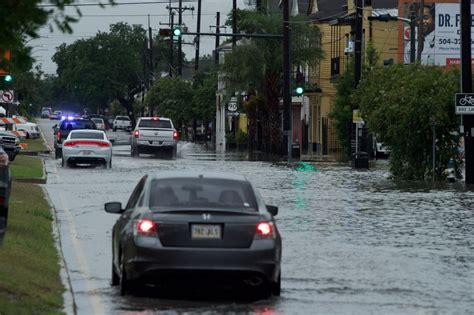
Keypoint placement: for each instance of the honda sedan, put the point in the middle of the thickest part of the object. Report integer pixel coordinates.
(179, 228)
(87, 146)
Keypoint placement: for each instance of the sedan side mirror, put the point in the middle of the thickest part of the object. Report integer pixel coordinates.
(272, 209)
(113, 207)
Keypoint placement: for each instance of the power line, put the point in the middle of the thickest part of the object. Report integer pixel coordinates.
(110, 4)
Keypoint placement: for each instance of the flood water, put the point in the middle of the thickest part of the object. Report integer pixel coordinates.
(354, 242)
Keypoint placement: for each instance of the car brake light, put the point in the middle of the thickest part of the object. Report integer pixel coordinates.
(265, 229)
(136, 133)
(58, 136)
(144, 227)
(175, 135)
(4, 160)
(73, 143)
(155, 118)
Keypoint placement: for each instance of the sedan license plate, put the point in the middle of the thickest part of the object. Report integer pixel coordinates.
(205, 231)
(85, 152)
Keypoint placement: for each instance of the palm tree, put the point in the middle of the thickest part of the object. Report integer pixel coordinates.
(255, 67)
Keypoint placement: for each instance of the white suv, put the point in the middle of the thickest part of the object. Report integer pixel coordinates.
(122, 122)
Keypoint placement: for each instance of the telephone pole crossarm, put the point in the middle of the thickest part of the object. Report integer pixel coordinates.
(277, 36)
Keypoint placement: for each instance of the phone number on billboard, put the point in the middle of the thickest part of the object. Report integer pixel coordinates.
(450, 41)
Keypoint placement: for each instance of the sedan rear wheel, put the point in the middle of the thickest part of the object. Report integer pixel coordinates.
(115, 277)
(63, 162)
(276, 286)
(123, 279)
(110, 163)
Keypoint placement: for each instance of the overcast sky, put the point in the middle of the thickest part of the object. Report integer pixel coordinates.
(96, 18)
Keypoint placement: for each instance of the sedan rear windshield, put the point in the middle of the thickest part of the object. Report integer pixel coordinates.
(87, 135)
(154, 124)
(186, 193)
(122, 118)
(77, 124)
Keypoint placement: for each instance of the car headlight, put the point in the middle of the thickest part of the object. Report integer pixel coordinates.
(17, 141)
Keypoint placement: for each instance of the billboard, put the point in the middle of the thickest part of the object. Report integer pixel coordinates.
(441, 29)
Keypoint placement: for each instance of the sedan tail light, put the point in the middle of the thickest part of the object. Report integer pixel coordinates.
(144, 227)
(73, 143)
(265, 230)
(136, 133)
(58, 136)
(175, 135)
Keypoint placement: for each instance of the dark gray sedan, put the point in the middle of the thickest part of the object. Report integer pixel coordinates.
(203, 228)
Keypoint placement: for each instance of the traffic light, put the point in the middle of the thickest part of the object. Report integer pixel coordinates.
(299, 89)
(177, 31)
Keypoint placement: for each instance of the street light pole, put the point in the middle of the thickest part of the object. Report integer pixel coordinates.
(466, 87)
(287, 137)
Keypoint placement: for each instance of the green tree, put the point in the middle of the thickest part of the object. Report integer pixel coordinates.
(256, 66)
(24, 18)
(173, 99)
(108, 66)
(400, 104)
(204, 99)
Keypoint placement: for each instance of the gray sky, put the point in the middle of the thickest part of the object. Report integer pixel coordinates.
(96, 18)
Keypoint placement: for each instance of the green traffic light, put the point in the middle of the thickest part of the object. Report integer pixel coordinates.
(177, 32)
(8, 78)
(299, 90)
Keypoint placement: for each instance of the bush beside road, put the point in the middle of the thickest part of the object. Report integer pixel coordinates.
(30, 281)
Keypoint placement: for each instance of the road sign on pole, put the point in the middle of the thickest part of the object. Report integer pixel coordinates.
(464, 103)
(6, 96)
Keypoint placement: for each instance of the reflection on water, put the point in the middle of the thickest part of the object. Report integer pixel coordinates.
(354, 242)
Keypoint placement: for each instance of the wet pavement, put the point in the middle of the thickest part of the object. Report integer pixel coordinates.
(354, 242)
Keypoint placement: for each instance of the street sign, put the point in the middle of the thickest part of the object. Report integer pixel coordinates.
(464, 103)
(6, 96)
(232, 107)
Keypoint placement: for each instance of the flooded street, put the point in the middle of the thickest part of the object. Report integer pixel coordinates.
(354, 242)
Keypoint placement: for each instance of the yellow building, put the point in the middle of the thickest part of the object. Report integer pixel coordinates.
(335, 19)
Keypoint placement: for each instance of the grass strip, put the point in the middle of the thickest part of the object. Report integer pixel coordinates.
(35, 145)
(30, 281)
(26, 167)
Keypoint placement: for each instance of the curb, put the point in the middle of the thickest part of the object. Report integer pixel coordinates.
(33, 180)
(34, 153)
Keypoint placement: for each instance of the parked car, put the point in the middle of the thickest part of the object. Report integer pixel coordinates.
(10, 144)
(200, 226)
(5, 187)
(87, 147)
(154, 135)
(31, 130)
(122, 122)
(99, 122)
(65, 127)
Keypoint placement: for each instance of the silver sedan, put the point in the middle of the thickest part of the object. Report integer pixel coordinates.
(87, 147)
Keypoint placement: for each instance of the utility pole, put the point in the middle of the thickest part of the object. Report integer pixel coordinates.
(234, 22)
(287, 136)
(359, 18)
(412, 34)
(198, 38)
(218, 22)
(150, 54)
(421, 36)
(466, 87)
(180, 50)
